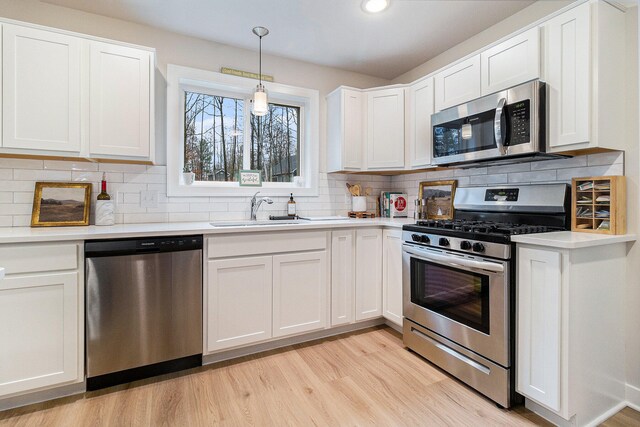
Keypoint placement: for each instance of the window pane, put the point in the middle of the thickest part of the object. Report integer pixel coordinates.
(275, 143)
(213, 127)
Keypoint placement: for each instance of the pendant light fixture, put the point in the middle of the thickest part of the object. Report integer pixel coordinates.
(260, 104)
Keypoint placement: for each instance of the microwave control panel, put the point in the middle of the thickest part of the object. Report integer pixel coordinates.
(519, 115)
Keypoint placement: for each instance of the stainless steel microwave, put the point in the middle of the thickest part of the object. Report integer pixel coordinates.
(505, 125)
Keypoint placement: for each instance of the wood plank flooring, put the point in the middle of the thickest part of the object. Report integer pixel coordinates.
(359, 379)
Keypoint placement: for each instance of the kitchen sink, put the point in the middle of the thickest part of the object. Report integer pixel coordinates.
(254, 223)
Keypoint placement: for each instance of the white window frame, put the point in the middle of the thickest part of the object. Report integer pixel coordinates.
(181, 78)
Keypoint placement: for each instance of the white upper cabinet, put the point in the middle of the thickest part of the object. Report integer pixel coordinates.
(385, 129)
(41, 90)
(510, 63)
(584, 68)
(419, 108)
(346, 131)
(458, 84)
(67, 95)
(119, 100)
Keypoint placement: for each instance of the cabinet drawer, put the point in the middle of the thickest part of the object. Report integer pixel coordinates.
(233, 245)
(17, 259)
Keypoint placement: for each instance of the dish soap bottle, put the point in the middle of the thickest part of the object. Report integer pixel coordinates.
(291, 206)
(105, 214)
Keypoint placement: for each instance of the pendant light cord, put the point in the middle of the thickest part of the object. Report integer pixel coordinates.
(260, 75)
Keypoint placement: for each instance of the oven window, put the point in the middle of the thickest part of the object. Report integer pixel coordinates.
(465, 135)
(460, 295)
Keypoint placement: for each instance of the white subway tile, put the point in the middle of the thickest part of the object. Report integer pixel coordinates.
(569, 162)
(137, 218)
(537, 176)
(128, 208)
(15, 208)
(17, 185)
(608, 158)
(69, 165)
(567, 174)
(128, 168)
(8, 163)
(516, 167)
(40, 175)
(6, 197)
(469, 171)
(187, 217)
(21, 220)
(170, 207)
(158, 170)
(208, 207)
(22, 197)
(112, 177)
(6, 221)
(145, 178)
(6, 174)
(501, 178)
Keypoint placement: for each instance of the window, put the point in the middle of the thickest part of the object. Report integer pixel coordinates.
(211, 132)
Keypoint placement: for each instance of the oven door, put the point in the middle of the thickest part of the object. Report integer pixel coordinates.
(460, 297)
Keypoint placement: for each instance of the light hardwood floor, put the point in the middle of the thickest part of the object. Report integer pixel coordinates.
(362, 378)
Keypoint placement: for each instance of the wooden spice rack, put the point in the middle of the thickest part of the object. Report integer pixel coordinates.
(599, 205)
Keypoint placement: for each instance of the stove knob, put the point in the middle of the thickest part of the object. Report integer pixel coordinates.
(415, 237)
(465, 245)
(443, 242)
(478, 247)
(425, 239)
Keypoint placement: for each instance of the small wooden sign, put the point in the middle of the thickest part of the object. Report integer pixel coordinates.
(246, 74)
(250, 178)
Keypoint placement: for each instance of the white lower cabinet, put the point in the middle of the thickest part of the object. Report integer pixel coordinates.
(343, 277)
(569, 339)
(368, 295)
(392, 276)
(238, 301)
(299, 292)
(264, 286)
(41, 321)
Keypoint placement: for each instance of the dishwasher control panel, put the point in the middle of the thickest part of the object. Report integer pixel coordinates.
(110, 247)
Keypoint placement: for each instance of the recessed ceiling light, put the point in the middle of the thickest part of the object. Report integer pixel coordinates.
(375, 6)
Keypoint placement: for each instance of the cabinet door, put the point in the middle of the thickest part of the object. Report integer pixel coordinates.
(567, 72)
(343, 276)
(385, 129)
(300, 290)
(41, 90)
(353, 128)
(239, 302)
(368, 274)
(39, 331)
(120, 108)
(392, 276)
(457, 84)
(511, 62)
(539, 326)
(419, 134)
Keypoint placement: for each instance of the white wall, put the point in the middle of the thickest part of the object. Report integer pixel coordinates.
(172, 48)
(632, 169)
(503, 28)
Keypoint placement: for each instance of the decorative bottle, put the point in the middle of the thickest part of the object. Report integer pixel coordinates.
(105, 214)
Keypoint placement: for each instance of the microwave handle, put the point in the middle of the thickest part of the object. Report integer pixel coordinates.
(498, 132)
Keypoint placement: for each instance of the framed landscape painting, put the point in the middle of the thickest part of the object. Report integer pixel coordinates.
(58, 204)
(439, 198)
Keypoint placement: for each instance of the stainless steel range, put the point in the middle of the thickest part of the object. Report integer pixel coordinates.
(459, 281)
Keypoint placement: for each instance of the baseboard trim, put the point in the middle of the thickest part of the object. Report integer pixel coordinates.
(632, 394)
(284, 342)
(42, 396)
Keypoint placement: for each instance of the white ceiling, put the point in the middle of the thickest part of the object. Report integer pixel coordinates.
(335, 33)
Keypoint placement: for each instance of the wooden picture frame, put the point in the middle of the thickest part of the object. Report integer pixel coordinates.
(439, 196)
(250, 178)
(59, 204)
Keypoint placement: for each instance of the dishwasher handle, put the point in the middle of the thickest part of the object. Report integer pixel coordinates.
(116, 247)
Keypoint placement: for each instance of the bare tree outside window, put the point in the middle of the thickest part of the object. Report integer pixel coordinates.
(213, 141)
(275, 143)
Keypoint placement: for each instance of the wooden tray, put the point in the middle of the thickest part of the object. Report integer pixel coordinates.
(361, 214)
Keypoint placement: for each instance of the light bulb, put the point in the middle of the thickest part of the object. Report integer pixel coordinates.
(375, 6)
(260, 105)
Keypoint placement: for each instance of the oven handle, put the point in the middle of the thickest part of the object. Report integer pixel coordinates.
(497, 127)
(458, 262)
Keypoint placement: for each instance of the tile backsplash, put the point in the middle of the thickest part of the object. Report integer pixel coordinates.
(18, 177)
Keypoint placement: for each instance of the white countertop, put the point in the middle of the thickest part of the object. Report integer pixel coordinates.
(572, 240)
(92, 232)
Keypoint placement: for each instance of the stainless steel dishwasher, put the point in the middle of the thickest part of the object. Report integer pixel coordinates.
(143, 308)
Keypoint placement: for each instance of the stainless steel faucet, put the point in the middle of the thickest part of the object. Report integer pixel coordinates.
(255, 204)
